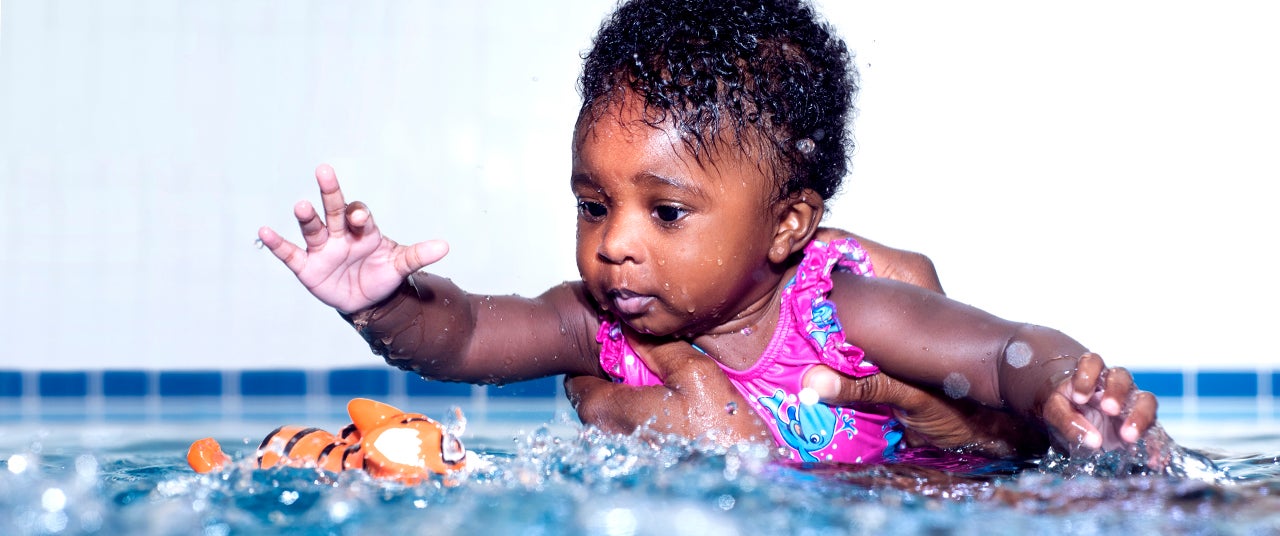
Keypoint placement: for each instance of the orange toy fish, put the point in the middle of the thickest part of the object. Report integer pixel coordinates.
(381, 439)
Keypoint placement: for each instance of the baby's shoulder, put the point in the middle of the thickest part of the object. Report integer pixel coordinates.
(852, 290)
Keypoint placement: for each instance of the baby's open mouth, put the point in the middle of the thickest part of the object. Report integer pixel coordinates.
(629, 303)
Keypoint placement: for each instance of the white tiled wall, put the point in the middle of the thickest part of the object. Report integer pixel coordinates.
(1102, 169)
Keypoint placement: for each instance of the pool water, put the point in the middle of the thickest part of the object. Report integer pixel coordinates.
(547, 475)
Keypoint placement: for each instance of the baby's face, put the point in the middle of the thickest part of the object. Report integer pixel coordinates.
(671, 246)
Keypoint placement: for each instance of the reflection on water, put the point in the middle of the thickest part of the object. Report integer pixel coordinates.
(558, 478)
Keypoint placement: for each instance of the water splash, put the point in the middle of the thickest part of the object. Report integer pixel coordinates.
(588, 481)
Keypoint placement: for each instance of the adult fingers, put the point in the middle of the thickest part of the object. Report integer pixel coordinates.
(1070, 425)
(314, 233)
(840, 390)
(335, 206)
(292, 256)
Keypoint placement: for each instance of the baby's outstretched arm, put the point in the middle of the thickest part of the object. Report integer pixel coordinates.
(348, 264)
(423, 322)
(1103, 405)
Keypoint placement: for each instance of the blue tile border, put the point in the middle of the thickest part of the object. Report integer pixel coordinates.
(1222, 383)
(273, 383)
(1162, 383)
(360, 382)
(126, 383)
(190, 383)
(10, 383)
(63, 384)
(381, 382)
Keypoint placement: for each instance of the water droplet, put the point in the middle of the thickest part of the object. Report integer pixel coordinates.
(747, 330)
(719, 262)
(1018, 354)
(731, 408)
(257, 243)
(956, 385)
(805, 145)
(666, 286)
(808, 396)
(53, 500)
(17, 464)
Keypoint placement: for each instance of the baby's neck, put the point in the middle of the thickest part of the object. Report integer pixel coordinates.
(740, 342)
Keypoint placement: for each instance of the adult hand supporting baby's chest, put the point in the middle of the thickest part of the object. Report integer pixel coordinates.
(695, 400)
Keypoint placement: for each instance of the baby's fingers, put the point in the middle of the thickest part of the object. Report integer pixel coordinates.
(314, 232)
(421, 255)
(292, 256)
(1070, 425)
(1142, 415)
(335, 207)
(1118, 388)
(1084, 383)
(359, 219)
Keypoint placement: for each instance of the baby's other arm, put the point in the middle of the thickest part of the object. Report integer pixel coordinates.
(1038, 372)
(423, 322)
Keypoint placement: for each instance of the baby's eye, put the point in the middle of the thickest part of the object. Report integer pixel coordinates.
(669, 213)
(591, 209)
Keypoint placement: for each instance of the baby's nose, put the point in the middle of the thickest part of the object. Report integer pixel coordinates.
(621, 242)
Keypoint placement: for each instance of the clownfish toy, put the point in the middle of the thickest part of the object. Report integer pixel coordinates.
(381, 439)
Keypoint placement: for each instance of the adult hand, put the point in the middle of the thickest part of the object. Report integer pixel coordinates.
(348, 264)
(696, 399)
(931, 418)
(896, 264)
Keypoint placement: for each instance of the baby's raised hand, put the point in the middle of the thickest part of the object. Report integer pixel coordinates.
(348, 264)
(1099, 408)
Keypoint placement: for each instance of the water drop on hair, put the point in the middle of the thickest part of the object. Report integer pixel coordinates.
(805, 145)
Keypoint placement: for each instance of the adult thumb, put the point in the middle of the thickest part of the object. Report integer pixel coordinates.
(840, 390)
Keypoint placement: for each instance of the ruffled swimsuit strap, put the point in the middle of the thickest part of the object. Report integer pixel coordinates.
(815, 314)
(619, 359)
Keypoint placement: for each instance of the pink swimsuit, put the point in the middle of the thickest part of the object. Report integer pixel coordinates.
(808, 334)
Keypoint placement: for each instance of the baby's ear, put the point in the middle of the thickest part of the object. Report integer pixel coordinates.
(798, 218)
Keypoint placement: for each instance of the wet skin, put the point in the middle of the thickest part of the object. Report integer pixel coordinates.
(681, 248)
(677, 247)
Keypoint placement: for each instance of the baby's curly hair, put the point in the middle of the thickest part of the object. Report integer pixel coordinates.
(770, 71)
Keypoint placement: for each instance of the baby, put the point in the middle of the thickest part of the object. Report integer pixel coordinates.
(710, 137)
